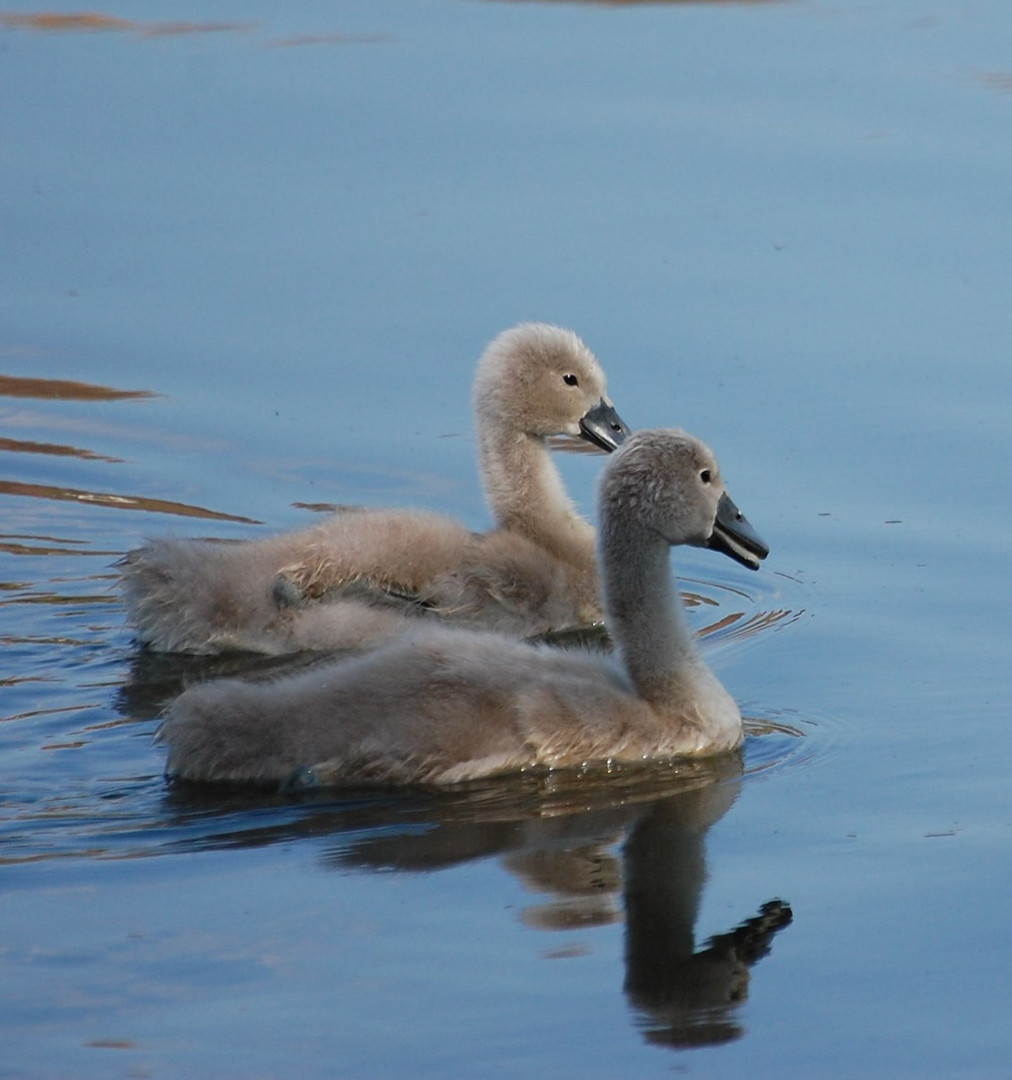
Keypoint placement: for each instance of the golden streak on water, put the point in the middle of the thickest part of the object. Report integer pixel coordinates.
(63, 389)
(120, 502)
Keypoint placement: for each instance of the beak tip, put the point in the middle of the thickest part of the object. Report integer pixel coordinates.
(602, 426)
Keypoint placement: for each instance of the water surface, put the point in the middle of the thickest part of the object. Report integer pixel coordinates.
(249, 260)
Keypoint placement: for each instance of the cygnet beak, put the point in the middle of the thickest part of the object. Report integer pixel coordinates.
(733, 535)
(603, 427)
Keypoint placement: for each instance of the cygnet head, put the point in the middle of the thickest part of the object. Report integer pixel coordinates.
(542, 380)
(668, 483)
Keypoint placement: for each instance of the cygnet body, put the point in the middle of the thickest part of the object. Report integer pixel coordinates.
(443, 705)
(356, 578)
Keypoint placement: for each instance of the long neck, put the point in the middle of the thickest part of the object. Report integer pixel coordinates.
(645, 615)
(526, 495)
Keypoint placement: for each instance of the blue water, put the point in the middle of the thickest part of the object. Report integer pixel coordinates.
(266, 248)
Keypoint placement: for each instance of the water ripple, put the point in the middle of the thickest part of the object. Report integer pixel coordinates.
(110, 805)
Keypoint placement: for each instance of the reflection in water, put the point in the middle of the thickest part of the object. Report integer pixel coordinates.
(23, 446)
(68, 390)
(15, 544)
(94, 22)
(63, 389)
(560, 836)
(331, 39)
(996, 80)
(749, 620)
(50, 22)
(119, 502)
(685, 997)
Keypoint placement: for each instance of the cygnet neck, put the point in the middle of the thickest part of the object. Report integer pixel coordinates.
(526, 494)
(644, 613)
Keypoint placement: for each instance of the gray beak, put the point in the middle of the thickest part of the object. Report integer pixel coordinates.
(603, 427)
(734, 536)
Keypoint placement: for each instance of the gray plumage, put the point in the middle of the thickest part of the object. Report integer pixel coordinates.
(360, 576)
(441, 705)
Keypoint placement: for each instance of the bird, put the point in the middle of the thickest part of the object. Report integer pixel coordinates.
(356, 578)
(443, 705)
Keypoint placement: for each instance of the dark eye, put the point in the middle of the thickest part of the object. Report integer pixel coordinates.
(705, 476)
(570, 380)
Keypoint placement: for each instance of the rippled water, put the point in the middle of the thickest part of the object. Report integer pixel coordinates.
(249, 260)
(101, 697)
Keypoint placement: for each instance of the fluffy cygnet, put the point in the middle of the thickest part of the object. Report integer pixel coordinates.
(354, 579)
(441, 705)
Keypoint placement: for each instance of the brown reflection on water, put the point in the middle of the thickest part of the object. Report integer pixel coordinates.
(734, 625)
(333, 38)
(561, 835)
(93, 22)
(995, 80)
(64, 389)
(118, 502)
(96, 22)
(562, 847)
(24, 446)
(738, 625)
(14, 544)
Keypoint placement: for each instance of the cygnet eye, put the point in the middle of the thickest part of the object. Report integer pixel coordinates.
(570, 380)
(705, 476)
